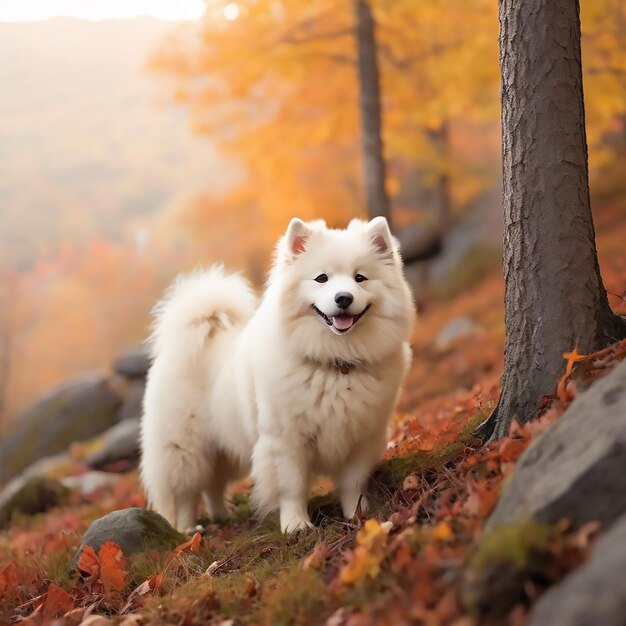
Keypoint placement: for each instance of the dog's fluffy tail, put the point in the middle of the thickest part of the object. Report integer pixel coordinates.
(196, 307)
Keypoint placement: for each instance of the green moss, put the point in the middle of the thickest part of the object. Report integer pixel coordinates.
(241, 507)
(503, 564)
(157, 533)
(513, 542)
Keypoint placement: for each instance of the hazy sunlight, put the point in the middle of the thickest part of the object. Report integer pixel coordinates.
(37, 10)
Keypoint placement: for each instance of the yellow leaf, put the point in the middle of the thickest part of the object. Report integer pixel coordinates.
(361, 564)
(443, 532)
(372, 534)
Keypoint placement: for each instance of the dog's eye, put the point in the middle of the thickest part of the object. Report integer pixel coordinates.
(322, 278)
(359, 278)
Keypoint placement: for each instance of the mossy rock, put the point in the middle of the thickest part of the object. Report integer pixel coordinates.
(74, 411)
(134, 530)
(503, 563)
(31, 496)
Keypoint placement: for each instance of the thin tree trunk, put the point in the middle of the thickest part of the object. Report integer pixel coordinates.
(554, 296)
(369, 101)
(443, 195)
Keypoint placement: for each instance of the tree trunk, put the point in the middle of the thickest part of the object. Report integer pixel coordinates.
(439, 139)
(554, 296)
(369, 103)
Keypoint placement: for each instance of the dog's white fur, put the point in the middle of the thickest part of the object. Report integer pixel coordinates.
(235, 389)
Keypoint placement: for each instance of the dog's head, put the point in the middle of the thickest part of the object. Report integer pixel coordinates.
(342, 292)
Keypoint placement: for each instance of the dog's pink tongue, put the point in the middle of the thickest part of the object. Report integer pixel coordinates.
(343, 322)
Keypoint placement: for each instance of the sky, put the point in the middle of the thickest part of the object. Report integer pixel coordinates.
(37, 10)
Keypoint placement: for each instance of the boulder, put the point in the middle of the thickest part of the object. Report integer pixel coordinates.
(29, 496)
(134, 530)
(457, 328)
(505, 564)
(575, 470)
(132, 406)
(75, 411)
(90, 482)
(120, 443)
(134, 364)
(594, 593)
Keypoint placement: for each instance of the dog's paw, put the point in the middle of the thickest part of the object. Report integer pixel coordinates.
(354, 506)
(295, 525)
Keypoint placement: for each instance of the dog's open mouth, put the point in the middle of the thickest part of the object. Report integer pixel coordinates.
(342, 322)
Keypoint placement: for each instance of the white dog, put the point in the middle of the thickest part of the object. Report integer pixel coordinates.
(303, 383)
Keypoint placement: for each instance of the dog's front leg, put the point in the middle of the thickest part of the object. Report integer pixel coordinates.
(293, 469)
(283, 470)
(353, 478)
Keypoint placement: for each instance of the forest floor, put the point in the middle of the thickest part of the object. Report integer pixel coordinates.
(417, 558)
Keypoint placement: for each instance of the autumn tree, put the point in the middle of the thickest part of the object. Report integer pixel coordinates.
(555, 300)
(280, 88)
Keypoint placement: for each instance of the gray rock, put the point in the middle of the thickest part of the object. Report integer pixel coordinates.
(594, 593)
(75, 411)
(134, 530)
(133, 401)
(134, 364)
(121, 443)
(29, 496)
(89, 482)
(51, 466)
(577, 469)
(459, 327)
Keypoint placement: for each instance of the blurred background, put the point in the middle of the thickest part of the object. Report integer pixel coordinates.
(139, 139)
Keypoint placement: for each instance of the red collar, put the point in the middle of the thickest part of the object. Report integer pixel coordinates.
(345, 367)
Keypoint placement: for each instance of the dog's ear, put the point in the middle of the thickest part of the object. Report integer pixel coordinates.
(295, 237)
(378, 229)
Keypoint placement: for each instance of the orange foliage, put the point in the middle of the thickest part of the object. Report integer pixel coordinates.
(105, 568)
(193, 545)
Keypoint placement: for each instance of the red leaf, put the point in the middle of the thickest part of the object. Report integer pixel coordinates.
(88, 562)
(315, 559)
(9, 577)
(511, 449)
(112, 572)
(56, 603)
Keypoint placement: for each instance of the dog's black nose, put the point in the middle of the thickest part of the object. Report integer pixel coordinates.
(344, 299)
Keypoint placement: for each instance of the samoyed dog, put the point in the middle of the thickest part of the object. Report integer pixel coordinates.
(303, 382)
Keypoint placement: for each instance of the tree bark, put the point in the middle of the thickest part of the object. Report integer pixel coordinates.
(554, 296)
(377, 198)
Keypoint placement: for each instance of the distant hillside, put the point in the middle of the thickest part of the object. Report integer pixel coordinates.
(84, 147)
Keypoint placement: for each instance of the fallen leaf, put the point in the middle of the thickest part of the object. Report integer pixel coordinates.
(56, 603)
(193, 545)
(112, 562)
(9, 577)
(511, 449)
(563, 393)
(88, 562)
(372, 533)
(573, 357)
(315, 559)
(443, 532)
(96, 620)
(361, 564)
